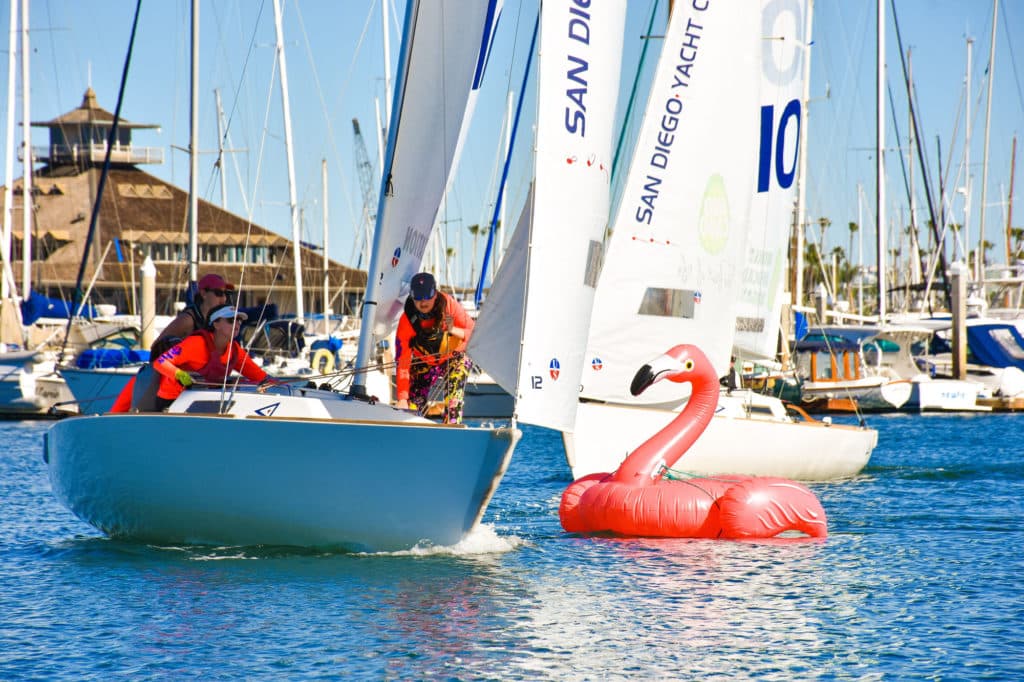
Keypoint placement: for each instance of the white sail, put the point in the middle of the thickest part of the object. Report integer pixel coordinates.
(782, 56)
(671, 271)
(449, 41)
(494, 343)
(580, 60)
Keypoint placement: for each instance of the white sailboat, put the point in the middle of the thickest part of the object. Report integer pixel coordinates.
(698, 251)
(310, 467)
(315, 468)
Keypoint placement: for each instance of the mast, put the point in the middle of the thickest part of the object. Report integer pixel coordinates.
(193, 154)
(980, 260)
(880, 159)
(327, 297)
(915, 250)
(220, 151)
(801, 178)
(386, 42)
(860, 249)
(1009, 207)
(26, 181)
(967, 152)
(8, 287)
(292, 202)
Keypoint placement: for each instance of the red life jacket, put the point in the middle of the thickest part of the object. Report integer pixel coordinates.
(215, 371)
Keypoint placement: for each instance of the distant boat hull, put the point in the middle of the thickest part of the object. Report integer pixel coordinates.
(486, 400)
(870, 394)
(22, 394)
(95, 390)
(345, 484)
(756, 446)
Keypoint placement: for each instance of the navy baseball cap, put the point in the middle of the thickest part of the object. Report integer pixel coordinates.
(423, 286)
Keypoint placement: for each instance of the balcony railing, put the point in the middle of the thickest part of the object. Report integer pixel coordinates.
(95, 153)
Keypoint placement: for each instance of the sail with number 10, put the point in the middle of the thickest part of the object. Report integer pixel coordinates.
(698, 247)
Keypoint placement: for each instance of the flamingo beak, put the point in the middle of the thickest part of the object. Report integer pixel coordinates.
(643, 378)
(665, 366)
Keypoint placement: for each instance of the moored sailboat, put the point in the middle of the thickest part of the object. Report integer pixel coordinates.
(699, 207)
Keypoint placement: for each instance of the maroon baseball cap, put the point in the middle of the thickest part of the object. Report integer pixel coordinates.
(212, 281)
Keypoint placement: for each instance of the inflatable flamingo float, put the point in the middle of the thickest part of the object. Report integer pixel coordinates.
(636, 500)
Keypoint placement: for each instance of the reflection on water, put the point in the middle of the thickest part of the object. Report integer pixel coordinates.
(919, 578)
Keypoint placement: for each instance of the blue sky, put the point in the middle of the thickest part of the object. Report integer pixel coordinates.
(334, 60)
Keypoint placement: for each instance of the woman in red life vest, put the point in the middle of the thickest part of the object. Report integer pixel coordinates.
(211, 353)
(211, 291)
(430, 346)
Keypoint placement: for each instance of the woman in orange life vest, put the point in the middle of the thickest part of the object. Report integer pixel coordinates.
(430, 345)
(211, 353)
(211, 291)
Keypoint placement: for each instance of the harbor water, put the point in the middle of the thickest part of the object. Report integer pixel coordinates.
(921, 577)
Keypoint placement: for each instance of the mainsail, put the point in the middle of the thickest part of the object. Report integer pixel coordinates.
(671, 271)
(445, 48)
(783, 51)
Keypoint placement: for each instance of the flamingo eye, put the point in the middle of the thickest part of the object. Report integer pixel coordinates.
(688, 365)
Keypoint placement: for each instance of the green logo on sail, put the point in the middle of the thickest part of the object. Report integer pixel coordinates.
(713, 228)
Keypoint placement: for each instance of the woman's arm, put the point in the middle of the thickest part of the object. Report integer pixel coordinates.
(403, 360)
(245, 366)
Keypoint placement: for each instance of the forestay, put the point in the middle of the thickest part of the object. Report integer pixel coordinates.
(671, 271)
(580, 60)
(782, 54)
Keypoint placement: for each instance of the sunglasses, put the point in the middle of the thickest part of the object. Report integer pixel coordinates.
(218, 292)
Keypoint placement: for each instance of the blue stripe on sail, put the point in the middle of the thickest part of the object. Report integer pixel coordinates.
(490, 29)
(479, 295)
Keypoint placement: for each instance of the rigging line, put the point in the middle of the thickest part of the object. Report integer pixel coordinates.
(478, 296)
(245, 67)
(944, 173)
(914, 115)
(485, 209)
(256, 182)
(237, 92)
(341, 93)
(343, 180)
(111, 138)
(1013, 58)
(627, 117)
(896, 129)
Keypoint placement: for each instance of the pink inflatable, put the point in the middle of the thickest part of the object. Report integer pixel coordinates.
(637, 500)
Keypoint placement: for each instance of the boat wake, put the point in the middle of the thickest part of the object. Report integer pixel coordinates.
(483, 539)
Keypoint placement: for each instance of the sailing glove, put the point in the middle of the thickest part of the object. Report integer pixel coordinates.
(183, 377)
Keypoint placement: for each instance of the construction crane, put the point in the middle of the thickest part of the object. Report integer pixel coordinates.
(367, 183)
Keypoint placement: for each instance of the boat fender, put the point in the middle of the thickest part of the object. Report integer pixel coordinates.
(322, 361)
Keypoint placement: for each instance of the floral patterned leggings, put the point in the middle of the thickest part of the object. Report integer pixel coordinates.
(444, 382)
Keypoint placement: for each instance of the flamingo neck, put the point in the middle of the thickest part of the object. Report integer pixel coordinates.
(665, 447)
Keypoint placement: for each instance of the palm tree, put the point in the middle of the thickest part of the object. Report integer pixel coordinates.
(853, 227)
(1018, 241)
(476, 231)
(824, 223)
